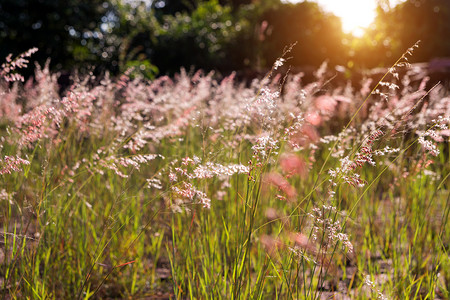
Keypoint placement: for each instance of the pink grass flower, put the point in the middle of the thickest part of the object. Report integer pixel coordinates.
(281, 184)
(325, 103)
(293, 165)
(314, 118)
(11, 164)
(303, 242)
(7, 68)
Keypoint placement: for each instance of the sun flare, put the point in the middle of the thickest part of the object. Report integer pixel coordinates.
(356, 15)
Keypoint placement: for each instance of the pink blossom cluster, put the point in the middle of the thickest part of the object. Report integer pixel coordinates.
(11, 164)
(327, 230)
(354, 180)
(263, 148)
(102, 161)
(292, 164)
(189, 192)
(281, 184)
(190, 169)
(428, 145)
(210, 170)
(114, 162)
(372, 286)
(264, 105)
(7, 68)
(363, 156)
(33, 124)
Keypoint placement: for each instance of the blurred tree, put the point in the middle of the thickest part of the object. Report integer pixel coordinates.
(319, 35)
(132, 33)
(237, 4)
(171, 7)
(166, 34)
(398, 28)
(208, 34)
(201, 38)
(67, 31)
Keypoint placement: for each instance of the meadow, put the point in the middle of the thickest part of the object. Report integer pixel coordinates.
(199, 187)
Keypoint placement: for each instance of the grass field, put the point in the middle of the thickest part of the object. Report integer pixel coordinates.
(197, 188)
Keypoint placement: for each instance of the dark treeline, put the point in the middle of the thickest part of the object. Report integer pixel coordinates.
(160, 36)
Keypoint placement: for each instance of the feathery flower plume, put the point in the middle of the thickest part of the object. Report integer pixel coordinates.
(7, 68)
(11, 164)
(281, 184)
(292, 164)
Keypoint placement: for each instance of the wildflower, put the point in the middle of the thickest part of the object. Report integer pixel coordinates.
(189, 192)
(281, 183)
(371, 284)
(11, 164)
(32, 124)
(314, 118)
(303, 242)
(292, 165)
(263, 147)
(325, 103)
(154, 183)
(264, 105)
(354, 180)
(328, 228)
(17, 63)
(429, 146)
(210, 170)
(173, 177)
(278, 63)
(271, 244)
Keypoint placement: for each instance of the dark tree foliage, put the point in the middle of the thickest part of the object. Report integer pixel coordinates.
(236, 4)
(425, 20)
(200, 37)
(319, 35)
(400, 27)
(171, 7)
(211, 36)
(66, 31)
(163, 35)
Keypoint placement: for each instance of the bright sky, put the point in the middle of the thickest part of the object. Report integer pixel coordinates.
(355, 14)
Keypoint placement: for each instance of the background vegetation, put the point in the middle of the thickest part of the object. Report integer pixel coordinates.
(218, 35)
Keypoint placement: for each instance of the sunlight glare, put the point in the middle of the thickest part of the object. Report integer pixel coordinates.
(356, 15)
